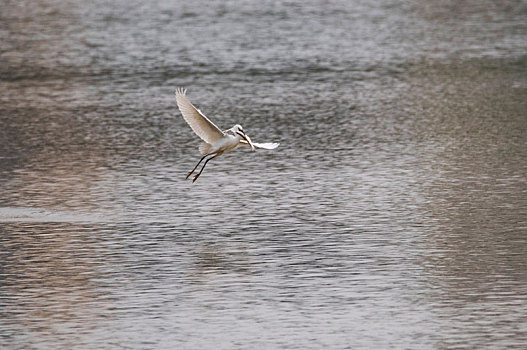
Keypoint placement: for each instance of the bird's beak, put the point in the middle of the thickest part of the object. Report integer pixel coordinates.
(242, 134)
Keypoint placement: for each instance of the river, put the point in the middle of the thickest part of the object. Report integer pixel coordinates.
(392, 216)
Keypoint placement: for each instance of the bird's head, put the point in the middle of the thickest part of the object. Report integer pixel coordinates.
(238, 130)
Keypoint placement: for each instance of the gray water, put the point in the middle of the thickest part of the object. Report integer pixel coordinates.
(392, 216)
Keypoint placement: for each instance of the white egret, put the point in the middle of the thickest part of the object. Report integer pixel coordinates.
(216, 142)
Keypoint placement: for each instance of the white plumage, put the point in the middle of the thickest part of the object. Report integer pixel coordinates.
(216, 142)
(199, 123)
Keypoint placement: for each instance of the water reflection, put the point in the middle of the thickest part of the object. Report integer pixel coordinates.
(51, 283)
(474, 263)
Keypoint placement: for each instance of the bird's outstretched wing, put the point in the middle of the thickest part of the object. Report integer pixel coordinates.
(265, 145)
(199, 123)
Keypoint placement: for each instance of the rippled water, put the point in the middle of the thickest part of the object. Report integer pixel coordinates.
(393, 214)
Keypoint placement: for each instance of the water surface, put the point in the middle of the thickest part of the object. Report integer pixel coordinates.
(393, 214)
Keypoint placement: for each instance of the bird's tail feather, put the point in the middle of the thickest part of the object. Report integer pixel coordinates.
(204, 148)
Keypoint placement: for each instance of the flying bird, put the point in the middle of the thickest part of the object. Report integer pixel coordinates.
(215, 142)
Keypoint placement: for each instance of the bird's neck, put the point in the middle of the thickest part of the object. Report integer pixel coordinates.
(236, 136)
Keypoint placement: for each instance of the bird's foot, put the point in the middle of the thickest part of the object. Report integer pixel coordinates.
(188, 175)
(196, 177)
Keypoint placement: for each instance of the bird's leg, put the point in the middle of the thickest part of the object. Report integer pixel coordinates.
(190, 173)
(198, 174)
